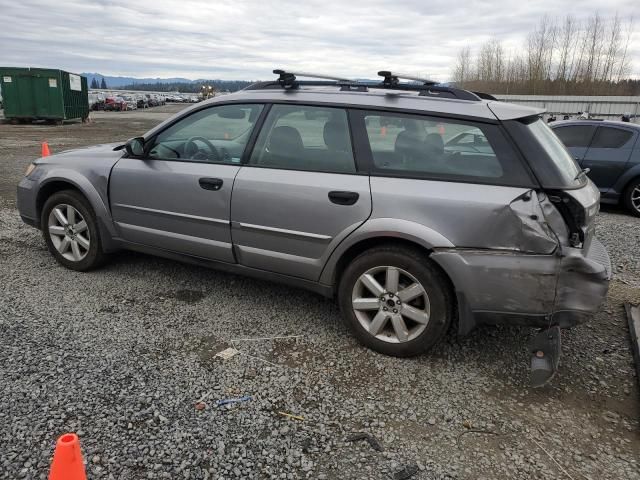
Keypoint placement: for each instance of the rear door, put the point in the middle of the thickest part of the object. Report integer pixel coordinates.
(608, 154)
(178, 196)
(300, 194)
(576, 138)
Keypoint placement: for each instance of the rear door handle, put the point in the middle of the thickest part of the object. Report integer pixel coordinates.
(343, 198)
(214, 184)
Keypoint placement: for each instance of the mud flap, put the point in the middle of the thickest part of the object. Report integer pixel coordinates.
(545, 356)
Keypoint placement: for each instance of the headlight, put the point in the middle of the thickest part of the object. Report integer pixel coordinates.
(30, 169)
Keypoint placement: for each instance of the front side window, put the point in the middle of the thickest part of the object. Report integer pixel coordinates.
(215, 134)
(298, 137)
(575, 135)
(442, 148)
(609, 137)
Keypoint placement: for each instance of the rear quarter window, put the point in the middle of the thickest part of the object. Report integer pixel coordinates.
(552, 163)
(610, 137)
(438, 148)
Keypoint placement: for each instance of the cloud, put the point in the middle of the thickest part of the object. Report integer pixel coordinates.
(247, 39)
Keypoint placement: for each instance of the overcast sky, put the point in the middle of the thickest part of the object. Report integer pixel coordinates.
(246, 39)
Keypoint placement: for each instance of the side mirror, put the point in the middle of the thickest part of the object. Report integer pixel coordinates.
(135, 147)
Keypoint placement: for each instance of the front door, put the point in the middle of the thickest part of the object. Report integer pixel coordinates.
(177, 197)
(300, 194)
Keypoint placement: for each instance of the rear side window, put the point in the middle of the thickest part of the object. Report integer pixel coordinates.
(575, 135)
(608, 137)
(299, 137)
(412, 145)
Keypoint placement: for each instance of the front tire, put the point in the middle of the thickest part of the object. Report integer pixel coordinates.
(395, 300)
(70, 231)
(632, 197)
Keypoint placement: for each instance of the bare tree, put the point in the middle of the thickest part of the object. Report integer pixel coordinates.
(595, 44)
(462, 69)
(612, 49)
(540, 44)
(566, 51)
(579, 57)
(623, 62)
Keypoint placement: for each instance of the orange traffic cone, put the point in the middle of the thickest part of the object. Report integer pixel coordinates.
(45, 149)
(67, 459)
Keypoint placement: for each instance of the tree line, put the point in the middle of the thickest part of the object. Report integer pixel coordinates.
(190, 87)
(560, 56)
(95, 84)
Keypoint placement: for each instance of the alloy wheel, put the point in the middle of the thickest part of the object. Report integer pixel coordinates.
(391, 304)
(635, 198)
(69, 232)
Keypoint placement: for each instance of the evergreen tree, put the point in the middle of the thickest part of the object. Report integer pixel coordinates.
(94, 83)
(103, 84)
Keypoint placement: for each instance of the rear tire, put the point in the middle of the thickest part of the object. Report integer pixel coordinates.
(631, 197)
(71, 232)
(395, 300)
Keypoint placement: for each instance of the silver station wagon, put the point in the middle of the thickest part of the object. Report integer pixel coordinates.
(421, 207)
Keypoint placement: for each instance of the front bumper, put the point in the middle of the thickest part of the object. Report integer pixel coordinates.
(506, 287)
(26, 202)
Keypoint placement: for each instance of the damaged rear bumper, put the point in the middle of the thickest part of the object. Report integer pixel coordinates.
(494, 286)
(583, 282)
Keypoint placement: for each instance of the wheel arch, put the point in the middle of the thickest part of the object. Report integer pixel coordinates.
(379, 232)
(630, 181)
(81, 185)
(625, 199)
(624, 181)
(51, 187)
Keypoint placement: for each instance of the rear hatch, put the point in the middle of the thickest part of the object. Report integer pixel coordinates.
(568, 187)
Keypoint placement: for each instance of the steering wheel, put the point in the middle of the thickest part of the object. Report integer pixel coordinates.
(192, 150)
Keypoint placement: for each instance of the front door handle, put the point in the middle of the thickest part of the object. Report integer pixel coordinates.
(344, 198)
(214, 184)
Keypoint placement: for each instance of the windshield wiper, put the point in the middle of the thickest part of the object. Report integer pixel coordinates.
(584, 171)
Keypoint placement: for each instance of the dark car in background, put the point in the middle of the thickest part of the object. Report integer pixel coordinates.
(611, 151)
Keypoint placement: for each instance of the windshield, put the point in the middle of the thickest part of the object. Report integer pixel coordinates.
(567, 168)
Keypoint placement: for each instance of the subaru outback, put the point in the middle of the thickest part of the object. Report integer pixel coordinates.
(421, 207)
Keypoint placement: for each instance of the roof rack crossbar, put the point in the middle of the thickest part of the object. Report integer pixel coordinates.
(288, 79)
(393, 78)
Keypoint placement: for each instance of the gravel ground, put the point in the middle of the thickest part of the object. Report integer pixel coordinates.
(123, 355)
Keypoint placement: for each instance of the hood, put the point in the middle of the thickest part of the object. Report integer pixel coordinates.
(96, 154)
(91, 153)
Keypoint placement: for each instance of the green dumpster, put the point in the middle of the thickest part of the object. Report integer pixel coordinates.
(43, 94)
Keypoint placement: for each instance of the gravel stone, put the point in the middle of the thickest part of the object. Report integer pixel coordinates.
(122, 354)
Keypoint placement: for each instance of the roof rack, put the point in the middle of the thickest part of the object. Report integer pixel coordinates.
(393, 78)
(288, 81)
